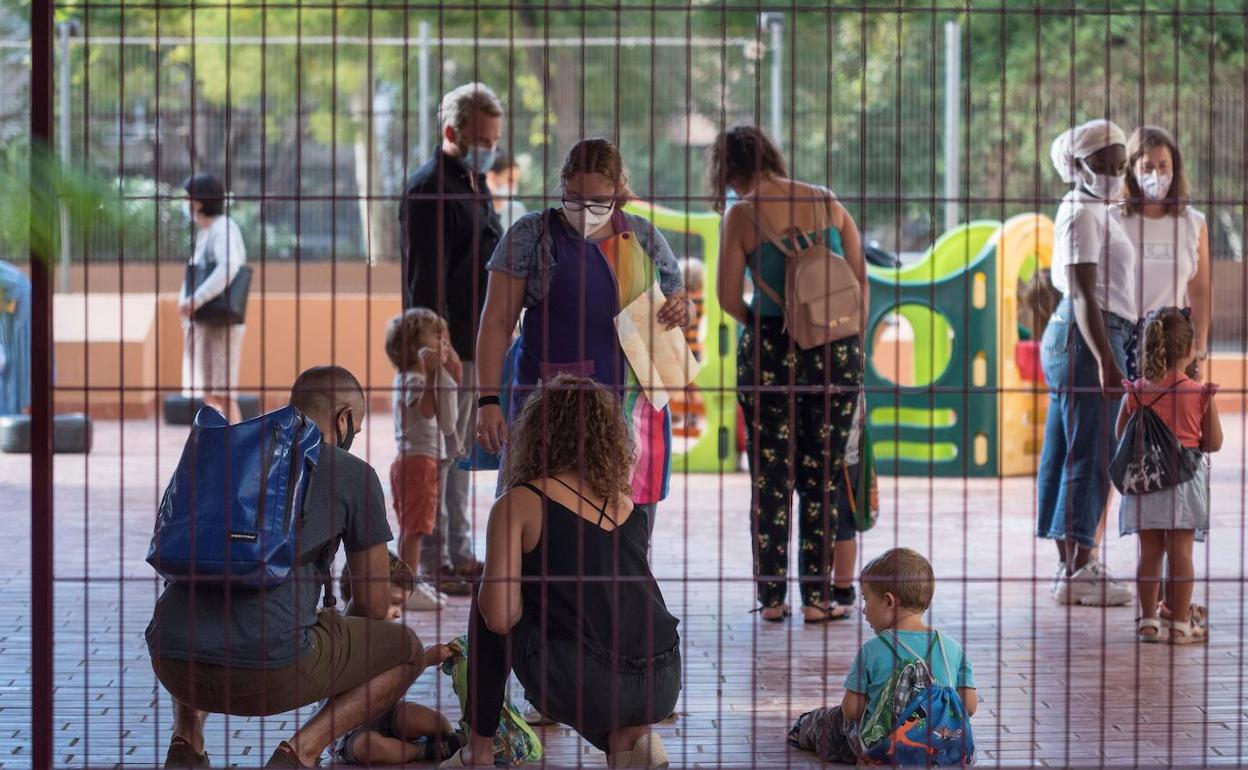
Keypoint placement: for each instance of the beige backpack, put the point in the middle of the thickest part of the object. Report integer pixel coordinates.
(822, 299)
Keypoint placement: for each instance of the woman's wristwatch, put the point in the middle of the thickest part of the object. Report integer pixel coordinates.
(485, 401)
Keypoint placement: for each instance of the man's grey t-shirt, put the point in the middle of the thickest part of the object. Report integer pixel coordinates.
(269, 628)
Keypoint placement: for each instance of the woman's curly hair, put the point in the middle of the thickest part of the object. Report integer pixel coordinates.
(572, 425)
(1168, 335)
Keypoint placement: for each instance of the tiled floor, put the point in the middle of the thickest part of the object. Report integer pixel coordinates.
(1058, 686)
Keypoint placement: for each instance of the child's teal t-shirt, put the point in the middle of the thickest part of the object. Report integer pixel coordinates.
(876, 662)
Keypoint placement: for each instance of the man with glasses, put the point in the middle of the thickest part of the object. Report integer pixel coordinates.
(449, 230)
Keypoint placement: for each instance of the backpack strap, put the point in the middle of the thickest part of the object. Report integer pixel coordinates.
(944, 656)
(770, 236)
(774, 239)
(936, 642)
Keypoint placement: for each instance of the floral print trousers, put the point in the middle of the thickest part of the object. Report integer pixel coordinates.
(799, 408)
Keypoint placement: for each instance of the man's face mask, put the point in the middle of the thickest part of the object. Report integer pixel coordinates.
(343, 442)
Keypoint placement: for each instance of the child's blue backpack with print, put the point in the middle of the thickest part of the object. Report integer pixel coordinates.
(917, 721)
(231, 512)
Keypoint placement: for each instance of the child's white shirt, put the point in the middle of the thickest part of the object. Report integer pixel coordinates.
(426, 436)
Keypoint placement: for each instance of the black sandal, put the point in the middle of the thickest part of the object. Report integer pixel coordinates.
(784, 608)
(827, 614)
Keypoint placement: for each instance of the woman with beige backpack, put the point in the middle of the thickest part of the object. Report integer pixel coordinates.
(799, 359)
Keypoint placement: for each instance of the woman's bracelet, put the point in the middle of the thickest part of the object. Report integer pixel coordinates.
(485, 401)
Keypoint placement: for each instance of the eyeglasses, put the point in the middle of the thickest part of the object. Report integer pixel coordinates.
(574, 204)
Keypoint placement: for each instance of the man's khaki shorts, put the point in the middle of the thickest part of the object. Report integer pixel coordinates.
(345, 653)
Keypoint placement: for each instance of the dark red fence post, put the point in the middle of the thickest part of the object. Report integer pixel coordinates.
(41, 383)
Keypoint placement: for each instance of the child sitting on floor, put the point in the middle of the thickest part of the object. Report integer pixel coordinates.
(408, 732)
(426, 412)
(1170, 520)
(899, 691)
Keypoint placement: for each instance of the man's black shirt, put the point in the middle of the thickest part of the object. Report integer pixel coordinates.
(449, 231)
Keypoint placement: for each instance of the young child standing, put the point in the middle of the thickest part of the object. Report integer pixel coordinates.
(1170, 520)
(897, 589)
(408, 732)
(427, 373)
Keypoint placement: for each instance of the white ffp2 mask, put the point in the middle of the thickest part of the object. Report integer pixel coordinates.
(586, 222)
(1156, 186)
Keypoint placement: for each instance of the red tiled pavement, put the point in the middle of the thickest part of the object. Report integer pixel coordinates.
(1057, 686)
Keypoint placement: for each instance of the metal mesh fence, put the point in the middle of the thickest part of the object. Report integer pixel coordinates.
(931, 123)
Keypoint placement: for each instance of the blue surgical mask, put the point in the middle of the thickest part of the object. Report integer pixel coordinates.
(480, 158)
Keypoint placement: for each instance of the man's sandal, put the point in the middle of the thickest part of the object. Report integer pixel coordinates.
(182, 756)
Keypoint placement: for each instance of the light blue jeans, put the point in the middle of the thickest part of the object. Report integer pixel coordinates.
(1072, 484)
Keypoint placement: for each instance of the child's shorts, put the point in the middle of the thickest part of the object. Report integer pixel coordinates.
(414, 485)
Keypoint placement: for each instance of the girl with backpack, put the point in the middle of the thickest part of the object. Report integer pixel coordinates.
(1169, 520)
(799, 358)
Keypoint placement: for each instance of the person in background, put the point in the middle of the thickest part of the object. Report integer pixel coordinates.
(502, 179)
(426, 414)
(211, 351)
(1083, 354)
(1169, 521)
(572, 270)
(1170, 237)
(693, 272)
(796, 436)
(449, 231)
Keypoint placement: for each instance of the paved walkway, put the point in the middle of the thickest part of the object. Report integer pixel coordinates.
(1058, 686)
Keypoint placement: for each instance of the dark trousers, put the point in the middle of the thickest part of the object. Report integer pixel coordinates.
(581, 685)
(799, 408)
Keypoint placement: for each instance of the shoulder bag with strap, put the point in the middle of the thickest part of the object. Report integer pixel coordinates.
(227, 308)
(822, 299)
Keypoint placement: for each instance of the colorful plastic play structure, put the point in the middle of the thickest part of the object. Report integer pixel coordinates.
(971, 404)
(715, 446)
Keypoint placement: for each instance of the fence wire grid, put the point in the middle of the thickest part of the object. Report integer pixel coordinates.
(932, 124)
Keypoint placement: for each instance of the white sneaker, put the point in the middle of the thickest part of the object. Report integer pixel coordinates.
(425, 598)
(1058, 576)
(1092, 586)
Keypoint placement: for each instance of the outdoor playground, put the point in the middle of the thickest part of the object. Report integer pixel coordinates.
(932, 125)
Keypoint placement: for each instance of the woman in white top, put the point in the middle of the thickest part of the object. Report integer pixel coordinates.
(1170, 237)
(1083, 352)
(210, 353)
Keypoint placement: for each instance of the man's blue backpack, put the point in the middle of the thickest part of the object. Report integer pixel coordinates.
(927, 722)
(231, 513)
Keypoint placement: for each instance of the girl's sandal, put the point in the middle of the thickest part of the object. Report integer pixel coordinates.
(1197, 615)
(1187, 633)
(1149, 630)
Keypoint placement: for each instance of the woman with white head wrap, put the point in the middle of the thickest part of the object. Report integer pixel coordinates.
(1084, 355)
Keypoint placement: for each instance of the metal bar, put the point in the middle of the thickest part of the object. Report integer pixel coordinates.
(399, 42)
(423, 120)
(64, 30)
(953, 121)
(41, 572)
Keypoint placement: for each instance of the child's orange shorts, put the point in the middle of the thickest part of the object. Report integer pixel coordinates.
(414, 486)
